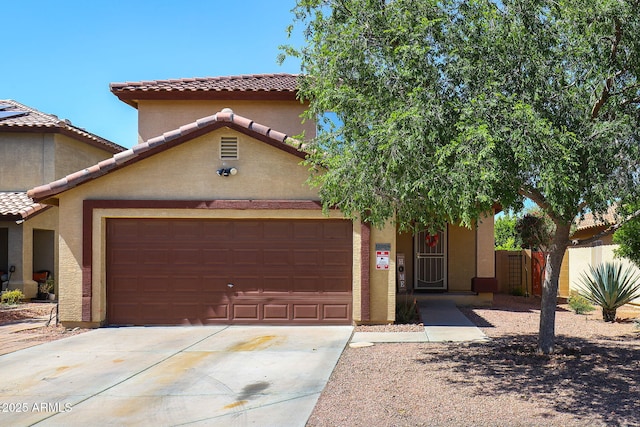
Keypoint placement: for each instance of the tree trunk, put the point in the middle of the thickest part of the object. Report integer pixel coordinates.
(546, 334)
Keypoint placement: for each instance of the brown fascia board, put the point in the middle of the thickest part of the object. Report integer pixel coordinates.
(132, 97)
(155, 145)
(25, 214)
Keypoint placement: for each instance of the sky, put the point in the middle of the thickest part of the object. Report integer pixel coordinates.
(59, 56)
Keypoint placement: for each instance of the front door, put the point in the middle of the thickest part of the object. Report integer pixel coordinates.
(431, 261)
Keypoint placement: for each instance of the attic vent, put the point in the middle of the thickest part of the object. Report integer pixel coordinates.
(229, 148)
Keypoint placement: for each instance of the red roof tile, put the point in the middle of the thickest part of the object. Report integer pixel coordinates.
(37, 121)
(589, 220)
(249, 86)
(16, 206)
(224, 118)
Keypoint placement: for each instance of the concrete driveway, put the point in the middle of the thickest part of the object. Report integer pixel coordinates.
(161, 376)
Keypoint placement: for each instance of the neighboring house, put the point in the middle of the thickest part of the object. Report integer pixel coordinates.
(36, 148)
(579, 258)
(210, 220)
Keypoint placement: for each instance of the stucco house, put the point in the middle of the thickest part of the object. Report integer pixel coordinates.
(36, 148)
(209, 219)
(579, 258)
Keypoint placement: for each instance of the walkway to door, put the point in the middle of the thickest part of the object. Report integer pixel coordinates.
(442, 320)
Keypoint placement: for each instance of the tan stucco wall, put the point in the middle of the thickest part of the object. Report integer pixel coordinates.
(581, 258)
(461, 258)
(31, 159)
(189, 172)
(24, 160)
(157, 117)
(485, 247)
(404, 245)
(383, 282)
(563, 280)
(72, 155)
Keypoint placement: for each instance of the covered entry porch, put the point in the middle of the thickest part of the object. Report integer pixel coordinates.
(456, 264)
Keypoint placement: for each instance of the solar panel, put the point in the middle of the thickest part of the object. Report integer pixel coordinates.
(7, 114)
(3, 106)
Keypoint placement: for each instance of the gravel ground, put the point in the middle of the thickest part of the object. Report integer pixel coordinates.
(593, 379)
(29, 311)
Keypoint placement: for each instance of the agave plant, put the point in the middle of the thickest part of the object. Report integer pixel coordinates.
(610, 286)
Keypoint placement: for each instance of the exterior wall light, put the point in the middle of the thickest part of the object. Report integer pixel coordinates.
(227, 171)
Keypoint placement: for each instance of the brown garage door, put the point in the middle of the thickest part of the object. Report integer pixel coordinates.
(185, 271)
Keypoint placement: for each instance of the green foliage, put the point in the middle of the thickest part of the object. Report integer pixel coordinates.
(506, 237)
(610, 286)
(580, 304)
(12, 297)
(46, 287)
(406, 309)
(628, 237)
(518, 292)
(446, 107)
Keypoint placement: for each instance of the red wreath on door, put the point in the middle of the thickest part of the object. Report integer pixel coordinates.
(431, 240)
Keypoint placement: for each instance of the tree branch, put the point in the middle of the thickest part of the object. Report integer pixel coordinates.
(536, 196)
(608, 84)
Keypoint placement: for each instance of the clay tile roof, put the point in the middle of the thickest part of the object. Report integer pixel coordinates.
(248, 86)
(32, 120)
(589, 220)
(224, 118)
(16, 206)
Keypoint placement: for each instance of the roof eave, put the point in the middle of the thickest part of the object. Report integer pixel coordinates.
(132, 97)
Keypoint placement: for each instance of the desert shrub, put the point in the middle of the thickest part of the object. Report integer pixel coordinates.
(610, 286)
(12, 297)
(406, 309)
(580, 304)
(517, 292)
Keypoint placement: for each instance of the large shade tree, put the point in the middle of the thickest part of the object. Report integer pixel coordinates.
(447, 107)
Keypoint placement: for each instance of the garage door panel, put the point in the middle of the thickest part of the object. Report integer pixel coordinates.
(151, 284)
(245, 311)
(154, 231)
(154, 257)
(276, 284)
(219, 257)
(305, 231)
(247, 230)
(335, 258)
(186, 257)
(337, 231)
(216, 312)
(340, 284)
(306, 257)
(176, 271)
(247, 257)
(306, 312)
(277, 231)
(217, 231)
(276, 257)
(279, 312)
(336, 311)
